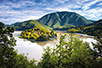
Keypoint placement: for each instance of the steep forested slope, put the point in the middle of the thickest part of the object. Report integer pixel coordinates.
(61, 19)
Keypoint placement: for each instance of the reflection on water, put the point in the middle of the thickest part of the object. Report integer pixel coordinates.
(80, 36)
(42, 43)
(23, 46)
(35, 50)
(46, 42)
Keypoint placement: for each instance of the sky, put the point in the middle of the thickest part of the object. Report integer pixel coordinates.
(12, 11)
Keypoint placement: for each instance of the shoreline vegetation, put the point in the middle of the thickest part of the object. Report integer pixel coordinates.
(38, 35)
(90, 29)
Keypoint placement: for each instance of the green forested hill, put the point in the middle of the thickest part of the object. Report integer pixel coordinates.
(94, 28)
(61, 19)
(28, 25)
(91, 29)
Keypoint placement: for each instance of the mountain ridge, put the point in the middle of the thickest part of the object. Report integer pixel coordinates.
(58, 19)
(92, 21)
(28, 25)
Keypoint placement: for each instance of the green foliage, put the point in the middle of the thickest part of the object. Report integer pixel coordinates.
(56, 34)
(42, 38)
(90, 29)
(64, 27)
(29, 25)
(52, 32)
(97, 54)
(74, 30)
(72, 54)
(37, 34)
(20, 61)
(6, 44)
(8, 56)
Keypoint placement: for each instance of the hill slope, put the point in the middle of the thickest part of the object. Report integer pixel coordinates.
(94, 28)
(28, 25)
(58, 19)
(91, 29)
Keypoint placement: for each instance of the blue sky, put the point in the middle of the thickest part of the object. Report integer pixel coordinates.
(12, 11)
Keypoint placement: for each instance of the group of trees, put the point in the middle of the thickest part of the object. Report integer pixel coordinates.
(90, 30)
(72, 54)
(38, 34)
(8, 56)
(73, 30)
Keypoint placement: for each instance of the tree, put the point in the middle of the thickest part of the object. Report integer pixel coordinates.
(42, 38)
(7, 42)
(97, 52)
(98, 46)
(48, 60)
(72, 54)
(52, 32)
(8, 56)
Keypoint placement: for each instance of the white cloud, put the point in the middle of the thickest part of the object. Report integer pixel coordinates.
(99, 4)
(95, 13)
(62, 1)
(58, 9)
(10, 5)
(13, 20)
(12, 16)
(63, 8)
(3, 7)
(87, 5)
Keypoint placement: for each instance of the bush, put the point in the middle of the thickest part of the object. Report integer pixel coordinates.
(42, 38)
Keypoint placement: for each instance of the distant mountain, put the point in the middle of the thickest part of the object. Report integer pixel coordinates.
(28, 25)
(63, 19)
(92, 21)
(6, 25)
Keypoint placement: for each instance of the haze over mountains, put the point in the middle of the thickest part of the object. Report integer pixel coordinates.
(55, 20)
(92, 21)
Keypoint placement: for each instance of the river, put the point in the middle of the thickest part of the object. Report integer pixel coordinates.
(35, 50)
